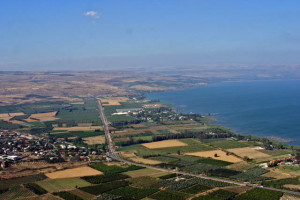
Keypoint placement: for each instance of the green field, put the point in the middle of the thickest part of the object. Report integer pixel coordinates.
(81, 134)
(53, 185)
(121, 118)
(23, 180)
(217, 195)
(17, 192)
(193, 146)
(79, 113)
(142, 172)
(169, 195)
(229, 144)
(145, 138)
(260, 194)
(196, 189)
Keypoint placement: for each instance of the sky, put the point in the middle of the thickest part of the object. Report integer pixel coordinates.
(107, 34)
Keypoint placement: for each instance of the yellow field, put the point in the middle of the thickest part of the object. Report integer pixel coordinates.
(240, 166)
(292, 187)
(164, 144)
(130, 155)
(211, 154)
(247, 151)
(94, 140)
(114, 101)
(8, 116)
(44, 116)
(78, 128)
(72, 173)
(30, 120)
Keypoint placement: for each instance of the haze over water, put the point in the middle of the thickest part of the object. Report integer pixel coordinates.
(261, 108)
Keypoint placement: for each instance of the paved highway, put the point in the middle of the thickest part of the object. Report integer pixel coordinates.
(114, 155)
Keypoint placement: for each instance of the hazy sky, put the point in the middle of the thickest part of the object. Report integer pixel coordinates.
(95, 34)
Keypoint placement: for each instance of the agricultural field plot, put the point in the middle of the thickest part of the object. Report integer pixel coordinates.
(145, 182)
(54, 185)
(133, 193)
(78, 128)
(196, 189)
(114, 101)
(47, 196)
(22, 180)
(82, 194)
(230, 144)
(131, 155)
(164, 144)
(252, 175)
(144, 138)
(249, 152)
(169, 195)
(217, 195)
(49, 116)
(114, 169)
(193, 145)
(121, 118)
(277, 152)
(260, 194)
(77, 113)
(216, 154)
(237, 189)
(8, 116)
(82, 134)
(281, 182)
(17, 192)
(240, 166)
(277, 173)
(94, 140)
(142, 172)
(73, 173)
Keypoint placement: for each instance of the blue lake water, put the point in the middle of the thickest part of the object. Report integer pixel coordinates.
(261, 108)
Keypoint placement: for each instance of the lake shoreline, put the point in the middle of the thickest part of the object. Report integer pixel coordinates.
(220, 119)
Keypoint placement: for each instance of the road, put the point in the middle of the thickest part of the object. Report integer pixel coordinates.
(114, 155)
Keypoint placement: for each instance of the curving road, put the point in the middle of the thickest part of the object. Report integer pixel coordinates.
(114, 155)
